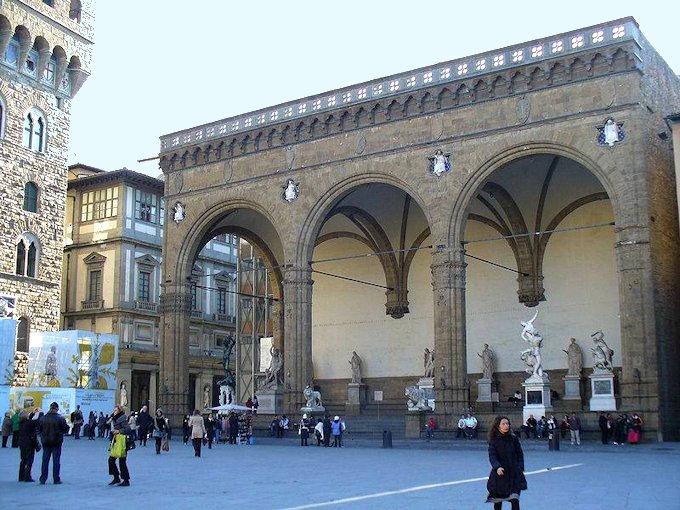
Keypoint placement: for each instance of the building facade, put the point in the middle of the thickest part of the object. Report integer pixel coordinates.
(439, 207)
(45, 52)
(113, 277)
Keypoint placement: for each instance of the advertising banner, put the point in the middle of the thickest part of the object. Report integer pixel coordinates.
(8, 333)
(73, 359)
(41, 398)
(95, 400)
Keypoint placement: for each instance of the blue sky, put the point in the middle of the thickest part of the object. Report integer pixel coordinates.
(159, 68)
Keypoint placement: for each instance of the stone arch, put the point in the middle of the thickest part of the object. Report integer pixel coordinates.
(479, 176)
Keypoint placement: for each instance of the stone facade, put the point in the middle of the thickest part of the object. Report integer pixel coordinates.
(53, 44)
(112, 263)
(551, 97)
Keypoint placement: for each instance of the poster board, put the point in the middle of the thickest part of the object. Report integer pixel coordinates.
(8, 333)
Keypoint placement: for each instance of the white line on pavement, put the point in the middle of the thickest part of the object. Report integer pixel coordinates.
(419, 488)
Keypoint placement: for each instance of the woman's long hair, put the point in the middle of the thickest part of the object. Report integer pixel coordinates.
(494, 431)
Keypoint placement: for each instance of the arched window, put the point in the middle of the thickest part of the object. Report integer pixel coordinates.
(34, 131)
(75, 10)
(28, 254)
(21, 257)
(23, 335)
(31, 197)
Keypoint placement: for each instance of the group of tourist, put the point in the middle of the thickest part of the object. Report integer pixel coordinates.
(323, 430)
(215, 428)
(467, 426)
(622, 429)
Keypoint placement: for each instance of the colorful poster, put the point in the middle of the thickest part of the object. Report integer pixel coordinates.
(8, 333)
(95, 400)
(41, 398)
(73, 359)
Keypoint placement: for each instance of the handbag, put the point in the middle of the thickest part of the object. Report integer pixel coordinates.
(165, 446)
(499, 486)
(118, 446)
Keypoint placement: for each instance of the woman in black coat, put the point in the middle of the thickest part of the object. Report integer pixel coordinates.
(506, 479)
(28, 440)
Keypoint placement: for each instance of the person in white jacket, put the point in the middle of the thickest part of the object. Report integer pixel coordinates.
(318, 431)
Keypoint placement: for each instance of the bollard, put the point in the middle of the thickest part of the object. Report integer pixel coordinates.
(387, 439)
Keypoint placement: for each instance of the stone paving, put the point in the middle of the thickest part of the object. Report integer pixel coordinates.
(414, 474)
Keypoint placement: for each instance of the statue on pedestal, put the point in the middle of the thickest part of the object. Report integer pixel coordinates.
(574, 359)
(602, 354)
(272, 374)
(487, 362)
(206, 396)
(312, 397)
(355, 363)
(428, 362)
(123, 395)
(532, 355)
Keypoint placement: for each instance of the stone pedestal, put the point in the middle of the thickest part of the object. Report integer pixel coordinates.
(356, 398)
(270, 401)
(484, 390)
(602, 390)
(536, 397)
(313, 410)
(415, 423)
(572, 387)
(427, 384)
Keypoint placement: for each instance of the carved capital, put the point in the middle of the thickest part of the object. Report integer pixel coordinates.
(448, 269)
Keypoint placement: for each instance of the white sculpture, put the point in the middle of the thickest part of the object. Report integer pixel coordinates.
(312, 397)
(7, 309)
(439, 163)
(532, 355)
(123, 395)
(417, 398)
(355, 363)
(611, 132)
(574, 358)
(428, 362)
(487, 362)
(291, 190)
(602, 354)
(178, 213)
(273, 372)
(206, 397)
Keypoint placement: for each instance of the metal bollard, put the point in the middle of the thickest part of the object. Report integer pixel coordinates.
(387, 439)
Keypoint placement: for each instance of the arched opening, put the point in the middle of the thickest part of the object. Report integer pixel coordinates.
(23, 334)
(538, 235)
(370, 257)
(31, 197)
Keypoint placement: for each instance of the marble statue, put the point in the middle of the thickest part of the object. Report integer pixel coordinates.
(273, 372)
(574, 358)
(178, 213)
(312, 397)
(439, 163)
(123, 394)
(291, 190)
(487, 362)
(206, 397)
(428, 362)
(355, 363)
(418, 397)
(602, 354)
(51, 364)
(611, 132)
(532, 355)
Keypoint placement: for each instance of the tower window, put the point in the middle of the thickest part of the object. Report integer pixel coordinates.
(31, 197)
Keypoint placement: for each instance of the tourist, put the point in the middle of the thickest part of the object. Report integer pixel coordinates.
(602, 423)
(575, 429)
(107, 426)
(160, 429)
(564, 426)
(318, 431)
(327, 431)
(144, 425)
(284, 425)
(471, 426)
(430, 427)
(210, 430)
(218, 428)
(185, 429)
(621, 429)
(636, 429)
(197, 431)
(274, 426)
(551, 426)
(256, 404)
(506, 479)
(530, 427)
(91, 426)
(461, 427)
(225, 428)
(132, 424)
(303, 430)
(52, 429)
(120, 428)
(28, 441)
(249, 403)
(77, 422)
(101, 424)
(233, 427)
(540, 427)
(15, 428)
(6, 428)
(516, 398)
(337, 428)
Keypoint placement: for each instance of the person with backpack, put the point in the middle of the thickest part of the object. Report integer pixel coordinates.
(337, 428)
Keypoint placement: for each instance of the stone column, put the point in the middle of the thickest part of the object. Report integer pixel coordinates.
(297, 328)
(450, 374)
(153, 393)
(639, 383)
(174, 367)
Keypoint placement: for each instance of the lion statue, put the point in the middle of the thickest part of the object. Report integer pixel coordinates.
(313, 397)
